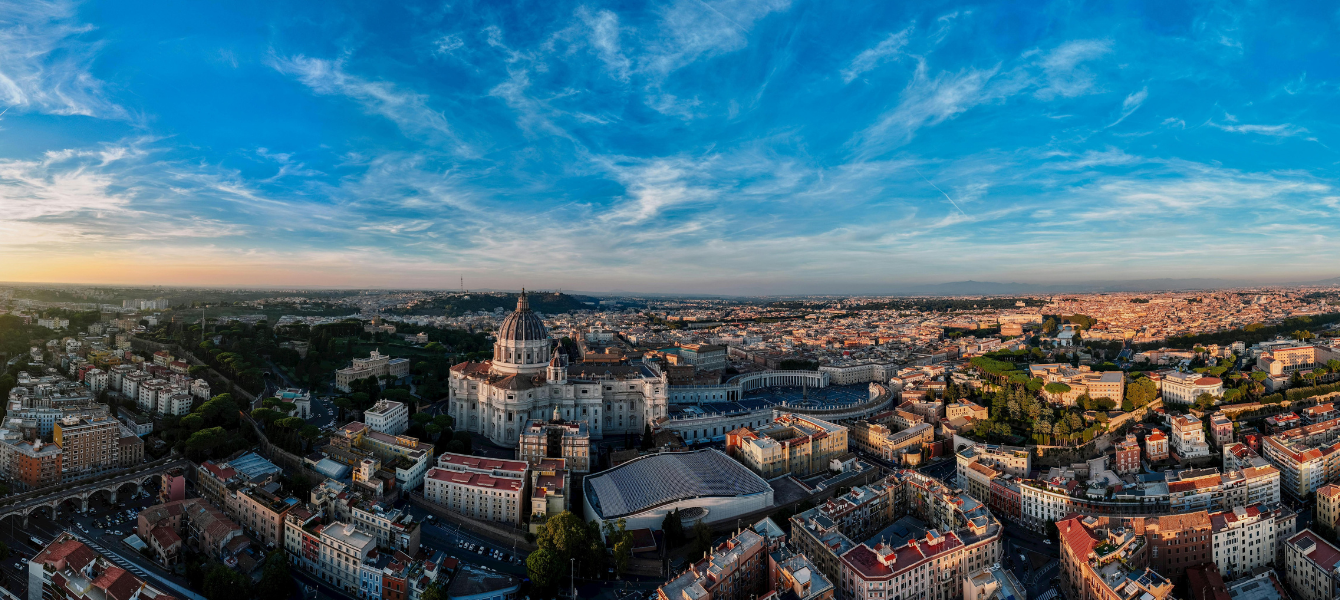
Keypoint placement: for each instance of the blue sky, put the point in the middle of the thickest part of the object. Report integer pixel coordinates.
(698, 146)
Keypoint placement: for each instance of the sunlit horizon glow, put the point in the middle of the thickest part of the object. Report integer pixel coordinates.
(758, 147)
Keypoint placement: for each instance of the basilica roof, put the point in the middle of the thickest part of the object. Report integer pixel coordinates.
(522, 325)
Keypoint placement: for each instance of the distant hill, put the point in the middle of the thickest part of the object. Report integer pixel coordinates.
(990, 288)
(542, 302)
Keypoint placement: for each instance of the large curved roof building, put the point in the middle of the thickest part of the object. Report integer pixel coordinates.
(644, 490)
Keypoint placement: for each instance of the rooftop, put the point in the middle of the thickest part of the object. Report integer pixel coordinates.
(657, 479)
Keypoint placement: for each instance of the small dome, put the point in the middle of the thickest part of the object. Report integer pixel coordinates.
(522, 325)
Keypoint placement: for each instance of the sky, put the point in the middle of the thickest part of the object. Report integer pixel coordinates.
(711, 146)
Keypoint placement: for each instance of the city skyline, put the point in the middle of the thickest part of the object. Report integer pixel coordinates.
(735, 148)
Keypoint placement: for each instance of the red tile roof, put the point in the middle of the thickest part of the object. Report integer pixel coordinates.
(481, 464)
(474, 479)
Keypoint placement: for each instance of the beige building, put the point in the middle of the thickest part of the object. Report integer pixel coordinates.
(965, 409)
(480, 488)
(1082, 380)
(375, 365)
(1309, 567)
(793, 444)
(1326, 511)
(1287, 361)
(566, 440)
(260, 513)
(1100, 560)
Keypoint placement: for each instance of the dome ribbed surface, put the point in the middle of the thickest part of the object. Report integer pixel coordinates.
(522, 325)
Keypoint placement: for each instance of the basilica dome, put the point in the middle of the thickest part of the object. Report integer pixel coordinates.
(522, 325)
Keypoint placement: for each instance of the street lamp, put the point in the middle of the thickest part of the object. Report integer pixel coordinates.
(572, 578)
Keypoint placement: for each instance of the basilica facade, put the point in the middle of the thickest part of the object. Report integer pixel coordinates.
(527, 379)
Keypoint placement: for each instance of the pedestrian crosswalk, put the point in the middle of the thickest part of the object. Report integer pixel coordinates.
(137, 570)
(120, 562)
(1048, 595)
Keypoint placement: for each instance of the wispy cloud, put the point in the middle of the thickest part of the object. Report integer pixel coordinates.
(46, 59)
(1131, 104)
(870, 58)
(1063, 68)
(407, 109)
(604, 37)
(1280, 130)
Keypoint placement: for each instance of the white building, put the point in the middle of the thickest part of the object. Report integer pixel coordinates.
(1188, 436)
(387, 416)
(526, 381)
(1184, 388)
(479, 488)
(1247, 537)
(96, 380)
(175, 403)
(343, 550)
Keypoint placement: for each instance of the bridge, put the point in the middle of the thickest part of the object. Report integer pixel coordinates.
(78, 494)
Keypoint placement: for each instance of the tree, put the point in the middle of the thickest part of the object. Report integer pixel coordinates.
(467, 445)
(648, 441)
(1105, 404)
(617, 532)
(1056, 387)
(223, 583)
(276, 583)
(434, 591)
(202, 443)
(673, 528)
(1141, 392)
(1204, 401)
(4, 551)
(702, 540)
(546, 570)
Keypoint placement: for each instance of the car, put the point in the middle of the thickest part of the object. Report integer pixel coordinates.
(1047, 541)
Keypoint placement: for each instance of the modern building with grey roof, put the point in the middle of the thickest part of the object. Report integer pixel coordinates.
(645, 490)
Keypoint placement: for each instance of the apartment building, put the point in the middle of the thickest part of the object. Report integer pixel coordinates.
(566, 440)
(480, 488)
(1183, 388)
(67, 568)
(1188, 437)
(1326, 511)
(261, 512)
(1248, 537)
(868, 437)
(343, 550)
(1222, 429)
(388, 417)
(33, 464)
(1101, 560)
(736, 570)
(1287, 361)
(1307, 456)
(89, 445)
(1127, 456)
(929, 568)
(791, 444)
(826, 534)
(1310, 567)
